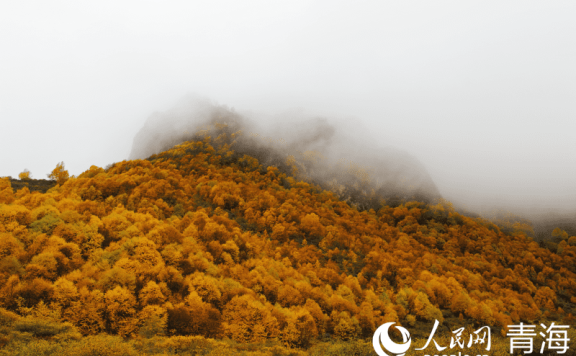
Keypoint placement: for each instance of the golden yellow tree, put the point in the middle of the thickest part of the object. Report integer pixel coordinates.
(59, 174)
(300, 328)
(120, 311)
(6, 192)
(25, 175)
(345, 327)
(248, 320)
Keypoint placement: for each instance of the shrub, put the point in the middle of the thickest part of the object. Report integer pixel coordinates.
(25, 175)
(59, 174)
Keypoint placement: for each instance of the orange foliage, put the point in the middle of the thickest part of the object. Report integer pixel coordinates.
(59, 174)
(200, 241)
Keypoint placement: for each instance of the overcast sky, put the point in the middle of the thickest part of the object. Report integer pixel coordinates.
(483, 93)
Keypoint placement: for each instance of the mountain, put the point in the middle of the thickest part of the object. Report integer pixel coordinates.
(325, 153)
(201, 242)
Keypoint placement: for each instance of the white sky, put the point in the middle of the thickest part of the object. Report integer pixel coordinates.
(482, 92)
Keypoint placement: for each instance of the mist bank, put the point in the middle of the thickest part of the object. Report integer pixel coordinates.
(346, 158)
(338, 156)
(543, 217)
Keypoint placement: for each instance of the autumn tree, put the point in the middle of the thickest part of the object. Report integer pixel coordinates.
(120, 311)
(59, 174)
(6, 192)
(248, 320)
(300, 329)
(25, 175)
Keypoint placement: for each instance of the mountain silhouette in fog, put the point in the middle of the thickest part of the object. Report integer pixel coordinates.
(325, 154)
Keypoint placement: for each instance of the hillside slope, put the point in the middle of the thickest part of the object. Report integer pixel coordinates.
(33, 185)
(327, 153)
(199, 241)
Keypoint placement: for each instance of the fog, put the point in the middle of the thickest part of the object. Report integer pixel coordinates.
(481, 94)
(340, 156)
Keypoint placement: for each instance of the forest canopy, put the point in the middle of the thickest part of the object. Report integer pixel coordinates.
(202, 241)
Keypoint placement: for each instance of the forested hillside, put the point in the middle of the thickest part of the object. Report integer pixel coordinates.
(201, 241)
